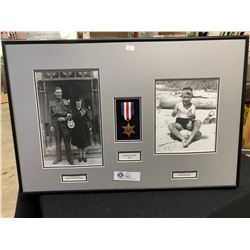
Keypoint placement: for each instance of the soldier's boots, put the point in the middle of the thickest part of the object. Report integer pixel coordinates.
(71, 162)
(56, 161)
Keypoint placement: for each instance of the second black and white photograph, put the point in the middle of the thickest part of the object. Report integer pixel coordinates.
(68, 104)
(186, 115)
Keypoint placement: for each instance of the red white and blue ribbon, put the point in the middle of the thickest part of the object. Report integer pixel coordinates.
(127, 109)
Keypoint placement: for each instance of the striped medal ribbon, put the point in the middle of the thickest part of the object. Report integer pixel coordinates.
(127, 109)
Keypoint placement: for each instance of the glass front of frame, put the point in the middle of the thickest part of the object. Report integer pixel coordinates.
(69, 115)
(158, 116)
(186, 115)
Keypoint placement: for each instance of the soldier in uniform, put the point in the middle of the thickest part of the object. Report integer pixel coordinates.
(60, 113)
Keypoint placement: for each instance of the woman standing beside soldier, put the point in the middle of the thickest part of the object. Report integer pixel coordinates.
(81, 131)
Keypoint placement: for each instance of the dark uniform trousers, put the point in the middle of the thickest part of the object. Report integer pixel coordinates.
(60, 109)
(62, 131)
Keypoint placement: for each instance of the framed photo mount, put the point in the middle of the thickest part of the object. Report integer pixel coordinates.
(126, 114)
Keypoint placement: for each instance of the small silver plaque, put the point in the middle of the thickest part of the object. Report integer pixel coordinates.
(129, 156)
(184, 175)
(74, 178)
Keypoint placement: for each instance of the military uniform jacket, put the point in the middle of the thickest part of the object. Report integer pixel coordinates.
(59, 109)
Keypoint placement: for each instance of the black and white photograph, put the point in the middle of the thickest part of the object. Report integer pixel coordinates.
(186, 115)
(69, 116)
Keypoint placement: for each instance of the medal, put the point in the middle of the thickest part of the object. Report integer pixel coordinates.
(127, 111)
(128, 118)
(128, 130)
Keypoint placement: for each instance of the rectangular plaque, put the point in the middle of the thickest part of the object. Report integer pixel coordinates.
(129, 156)
(74, 178)
(184, 175)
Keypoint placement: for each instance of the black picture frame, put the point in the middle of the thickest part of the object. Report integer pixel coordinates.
(9, 43)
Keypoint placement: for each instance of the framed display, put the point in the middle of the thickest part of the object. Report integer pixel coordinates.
(126, 114)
